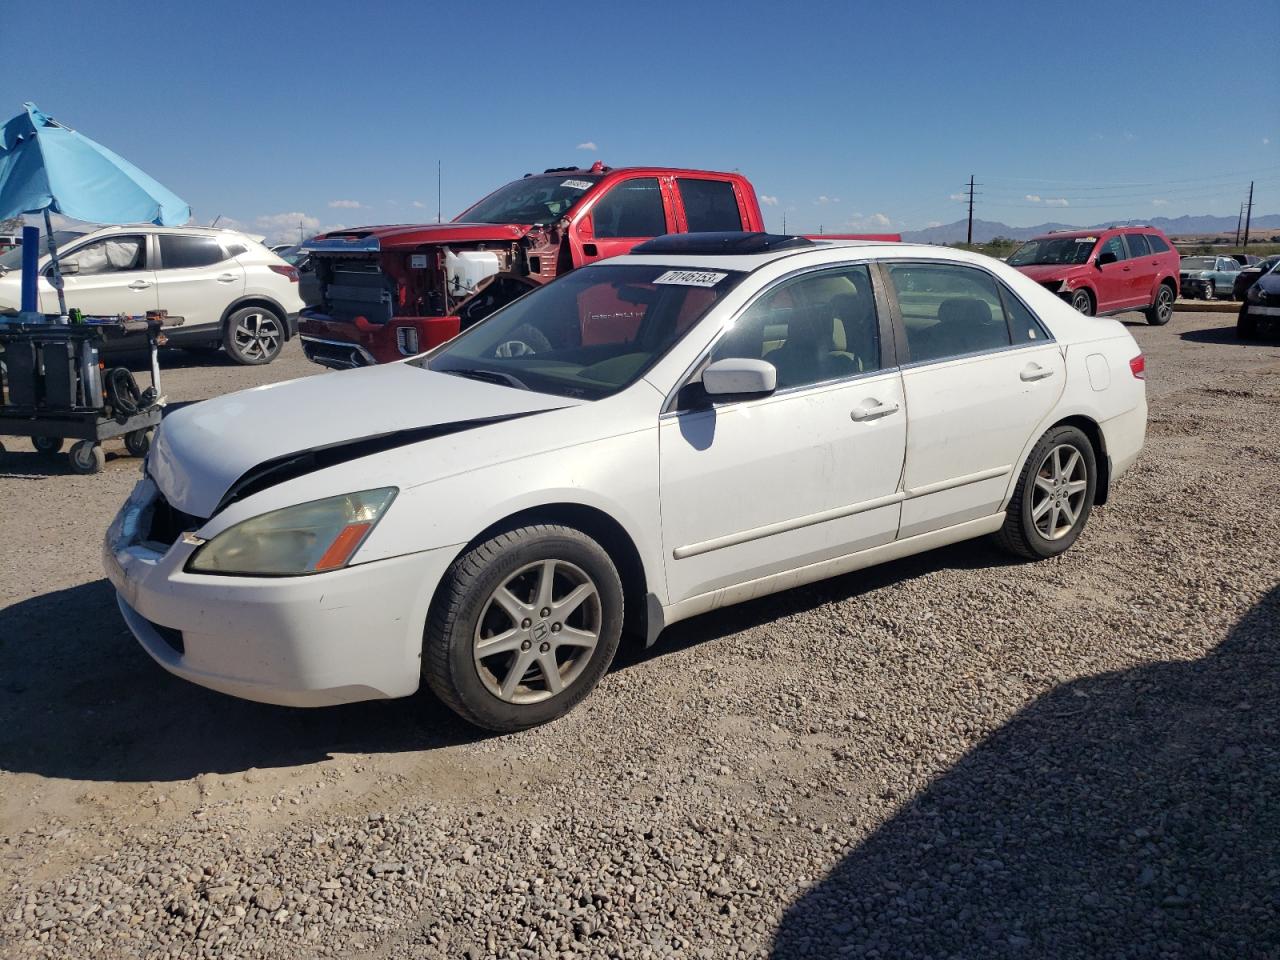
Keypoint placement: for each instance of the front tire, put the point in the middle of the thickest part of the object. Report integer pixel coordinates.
(1246, 326)
(1209, 292)
(1082, 302)
(1159, 313)
(523, 627)
(254, 336)
(1054, 496)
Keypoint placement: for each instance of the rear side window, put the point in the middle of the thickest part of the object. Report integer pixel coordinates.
(948, 310)
(709, 205)
(633, 208)
(1138, 245)
(177, 252)
(1157, 243)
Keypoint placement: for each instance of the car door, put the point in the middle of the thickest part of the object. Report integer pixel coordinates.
(628, 213)
(757, 486)
(980, 373)
(1142, 269)
(1112, 280)
(103, 277)
(1225, 277)
(197, 279)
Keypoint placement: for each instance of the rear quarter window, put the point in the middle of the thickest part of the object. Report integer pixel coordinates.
(1157, 243)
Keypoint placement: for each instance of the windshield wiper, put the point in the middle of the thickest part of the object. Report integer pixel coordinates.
(489, 376)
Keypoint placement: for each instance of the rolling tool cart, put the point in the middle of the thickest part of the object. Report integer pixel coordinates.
(53, 387)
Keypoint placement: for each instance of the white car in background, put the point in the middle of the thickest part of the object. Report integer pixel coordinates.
(230, 290)
(710, 418)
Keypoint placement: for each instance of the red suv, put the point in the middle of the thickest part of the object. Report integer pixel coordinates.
(1105, 271)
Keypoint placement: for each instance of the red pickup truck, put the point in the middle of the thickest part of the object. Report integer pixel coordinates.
(394, 291)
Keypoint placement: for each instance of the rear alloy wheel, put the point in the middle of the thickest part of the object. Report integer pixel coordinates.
(1082, 302)
(1054, 496)
(1159, 313)
(523, 627)
(254, 336)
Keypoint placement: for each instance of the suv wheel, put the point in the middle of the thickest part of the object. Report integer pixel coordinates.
(523, 627)
(1081, 301)
(254, 336)
(1208, 292)
(1161, 310)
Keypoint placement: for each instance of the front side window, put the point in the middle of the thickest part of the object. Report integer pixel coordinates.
(589, 334)
(817, 327)
(1114, 246)
(1137, 246)
(709, 205)
(110, 255)
(178, 252)
(633, 208)
(532, 200)
(948, 310)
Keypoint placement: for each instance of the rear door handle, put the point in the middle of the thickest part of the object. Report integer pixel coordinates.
(873, 410)
(140, 285)
(227, 278)
(1033, 371)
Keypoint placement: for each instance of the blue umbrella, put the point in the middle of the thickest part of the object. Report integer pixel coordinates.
(45, 166)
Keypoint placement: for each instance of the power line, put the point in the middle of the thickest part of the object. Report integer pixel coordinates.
(1095, 185)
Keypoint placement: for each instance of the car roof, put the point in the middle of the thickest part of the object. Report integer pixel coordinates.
(820, 251)
(1099, 232)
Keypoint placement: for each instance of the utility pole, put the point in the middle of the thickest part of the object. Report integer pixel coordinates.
(969, 241)
(1239, 223)
(300, 237)
(784, 222)
(439, 192)
(1248, 215)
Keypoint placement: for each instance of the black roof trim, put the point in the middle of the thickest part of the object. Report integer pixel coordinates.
(726, 243)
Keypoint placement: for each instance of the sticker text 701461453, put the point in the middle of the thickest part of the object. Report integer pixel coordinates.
(692, 278)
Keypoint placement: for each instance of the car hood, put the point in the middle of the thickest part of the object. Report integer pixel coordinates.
(207, 453)
(365, 239)
(1045, 272)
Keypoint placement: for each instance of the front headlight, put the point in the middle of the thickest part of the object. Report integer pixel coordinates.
(307, 538)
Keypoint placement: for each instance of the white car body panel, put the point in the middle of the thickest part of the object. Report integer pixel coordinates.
(720, 506)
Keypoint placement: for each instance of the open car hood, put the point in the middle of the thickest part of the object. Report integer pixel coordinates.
(208, 453)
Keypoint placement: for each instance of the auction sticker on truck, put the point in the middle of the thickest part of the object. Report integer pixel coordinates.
(578, 184)
(692, 278)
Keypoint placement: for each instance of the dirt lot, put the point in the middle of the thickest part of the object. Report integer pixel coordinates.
(950, 756)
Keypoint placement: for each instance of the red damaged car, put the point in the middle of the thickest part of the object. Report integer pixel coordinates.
(394, 291)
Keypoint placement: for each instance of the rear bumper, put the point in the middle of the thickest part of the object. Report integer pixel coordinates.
(1257, 310)
(1124, 436)
(347, 343)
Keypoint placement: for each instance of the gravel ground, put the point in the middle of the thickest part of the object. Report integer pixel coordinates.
(952, 756)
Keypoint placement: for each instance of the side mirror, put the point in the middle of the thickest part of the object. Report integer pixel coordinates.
(586, 228)
(740, 377)
(1106, 257)
(69, 268)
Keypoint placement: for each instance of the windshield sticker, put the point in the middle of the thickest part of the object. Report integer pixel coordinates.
(577, 184)
(692, 278)
(1087, 240)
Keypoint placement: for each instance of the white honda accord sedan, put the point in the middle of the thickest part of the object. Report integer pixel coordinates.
(710, 418)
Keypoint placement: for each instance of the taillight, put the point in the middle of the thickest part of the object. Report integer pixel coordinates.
(1138, 365)
(285, 271)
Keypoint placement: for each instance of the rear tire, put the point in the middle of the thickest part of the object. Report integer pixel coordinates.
(1160, 311)
(1049, 507)
(539, 599)
(1082, 302)
(253, 336)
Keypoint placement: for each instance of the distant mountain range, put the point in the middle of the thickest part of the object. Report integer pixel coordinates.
(984, 231)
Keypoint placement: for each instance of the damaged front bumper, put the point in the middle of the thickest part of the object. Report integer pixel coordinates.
(342, 344)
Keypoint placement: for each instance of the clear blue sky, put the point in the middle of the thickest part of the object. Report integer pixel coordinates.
(844, 113)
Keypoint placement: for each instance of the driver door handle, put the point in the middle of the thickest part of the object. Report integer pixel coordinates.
(227, 278)
(140, 285)
(873, 410)
(1033, 371)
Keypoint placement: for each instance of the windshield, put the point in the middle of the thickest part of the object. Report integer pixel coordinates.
(12, 260)
(1198, 263)
(587, 335)
(532, 200)
(1053, 250)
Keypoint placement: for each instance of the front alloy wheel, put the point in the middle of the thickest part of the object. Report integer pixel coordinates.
(1082, 302)
(523, 626)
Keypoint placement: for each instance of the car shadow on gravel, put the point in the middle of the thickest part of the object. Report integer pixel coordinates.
(968, 555)
(79, 699)
(1132, 814)
(1226, 335)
